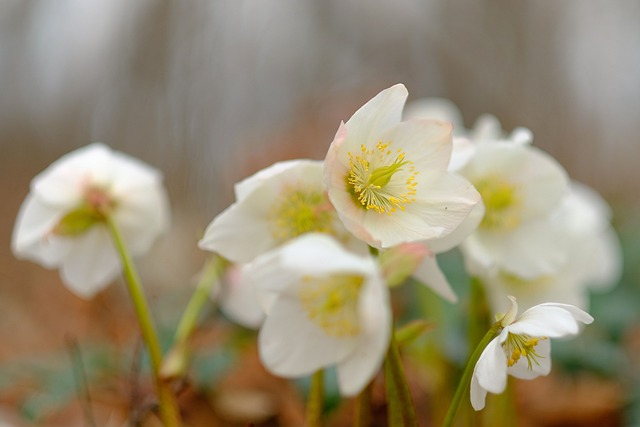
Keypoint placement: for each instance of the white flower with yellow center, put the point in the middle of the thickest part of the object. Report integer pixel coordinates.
(324, 307)
(522, 348)
(273, 206)
(388, 179)
(521, 187)
(592, 257)
(61, 223)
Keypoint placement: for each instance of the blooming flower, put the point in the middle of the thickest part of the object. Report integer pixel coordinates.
(61, 223)
(238, 297)
(521, 187)
(592, 261)
(325, 306)
(388, 179)
(273, 206)
(522, 348)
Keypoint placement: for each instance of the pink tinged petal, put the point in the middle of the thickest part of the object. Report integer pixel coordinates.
(521, 368)
(478, 394)
(491, 369)
(35, 221)
(430, 274)
(426, 143)
(292, 346)
(362, 364)
(91, 263)
(64, 181)
(550, 320)
(462, 232)
(376, 116)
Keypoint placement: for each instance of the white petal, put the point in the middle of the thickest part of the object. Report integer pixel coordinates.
(427, 143)
(34, 222)
(521, 368)
(292, 346)
(247, 185)
(550, 320)
(478, 394)
(438, 109)
(239, 299)
(486, 127)
(241, 232)
(91, 263)
(461, 154)
(129, 174)
(361, 365)
(459, 234)
(430, 274)
(376, 116)
(491, 369)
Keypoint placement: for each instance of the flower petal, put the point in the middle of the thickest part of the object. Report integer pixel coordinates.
(521, 368)
(430, 274)
(491, 369)
(292, 346)
(361, 365)
(550, 320)
(478, 394)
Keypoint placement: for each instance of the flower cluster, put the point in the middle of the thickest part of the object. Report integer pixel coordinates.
(311, 248)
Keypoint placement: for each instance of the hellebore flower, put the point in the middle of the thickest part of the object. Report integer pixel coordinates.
(61, 223)
(522, 349)
(388, 179)
(324, 306)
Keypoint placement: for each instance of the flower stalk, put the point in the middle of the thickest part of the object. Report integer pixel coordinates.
(315, 401)
(169, 410)
(401, 409)
(362, 415)
(465, 381)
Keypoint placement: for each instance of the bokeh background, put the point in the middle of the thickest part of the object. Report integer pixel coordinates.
(210, 91)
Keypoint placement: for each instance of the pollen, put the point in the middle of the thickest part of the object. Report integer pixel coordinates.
(381, 179)
(502, 204)
(517, 346)
(298, 211)
(332, 303)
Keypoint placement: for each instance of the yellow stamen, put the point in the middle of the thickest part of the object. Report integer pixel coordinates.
(300, 211)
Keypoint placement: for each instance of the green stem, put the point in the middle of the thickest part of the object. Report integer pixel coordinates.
(465, 381)
(362, 416)
(401, 408)
(168, 405)
(315, 401)
(212, 272)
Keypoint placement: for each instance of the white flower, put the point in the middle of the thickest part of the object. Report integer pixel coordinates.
(388, 179)
(521, 187)
(61, 223)
(522, 348)
(273, 206)
(325, 307)
(592, 261)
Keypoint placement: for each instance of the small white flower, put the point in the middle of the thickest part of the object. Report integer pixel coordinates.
(388, 179)
(273, 206)
(61, 223)
(522, 348)
(324, 306)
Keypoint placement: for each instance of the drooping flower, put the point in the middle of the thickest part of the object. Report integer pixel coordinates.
(592, 261)
(273, 206)
(61, 223)
(388, 179)
(522, 349)
(325, 306)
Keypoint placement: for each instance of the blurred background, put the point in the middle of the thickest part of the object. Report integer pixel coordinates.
(210, 91)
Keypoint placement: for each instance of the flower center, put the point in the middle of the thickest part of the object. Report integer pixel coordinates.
(502, 204)
(332, 303)
(300, 211)
(96, 204)
(380, 179)
(517, 346)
